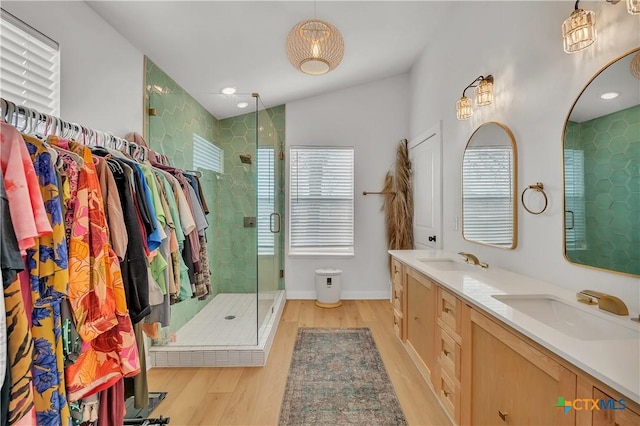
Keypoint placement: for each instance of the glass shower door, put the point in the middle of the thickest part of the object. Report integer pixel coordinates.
(270, 234)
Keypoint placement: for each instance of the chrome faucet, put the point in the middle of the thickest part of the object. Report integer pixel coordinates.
(472, 259)
(606, 302)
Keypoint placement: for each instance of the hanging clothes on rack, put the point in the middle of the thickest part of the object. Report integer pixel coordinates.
(113, 237)
(16, 398)
(67, 250)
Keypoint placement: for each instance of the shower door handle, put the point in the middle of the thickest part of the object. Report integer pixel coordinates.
(271, 216)
(573, 220)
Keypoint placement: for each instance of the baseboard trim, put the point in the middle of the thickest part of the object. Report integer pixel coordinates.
(346, 295)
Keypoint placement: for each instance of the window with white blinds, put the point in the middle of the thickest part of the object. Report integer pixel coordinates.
(206, 155)
(574, 200)
(321, 201)
(488, 194)
(266, 199)
(29, 66)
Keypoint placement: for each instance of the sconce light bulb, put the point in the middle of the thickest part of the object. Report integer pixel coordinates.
(579, 30)
(463, 108)
(484, 92)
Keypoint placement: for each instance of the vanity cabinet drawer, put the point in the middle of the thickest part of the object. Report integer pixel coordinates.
(448, 353)
(614, 417)
(449, 394)
(397, 298)
(397, 324)
(396, 273)
(449, 313)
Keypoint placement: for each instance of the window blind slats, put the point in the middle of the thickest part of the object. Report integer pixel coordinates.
(266, 203)
(29, 66)
(488, 197)
(575, 227)
(206, 155)
(321, 200)
(27, 55)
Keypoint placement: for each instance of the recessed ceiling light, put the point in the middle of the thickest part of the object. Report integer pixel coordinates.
(609, 95)
(229, 90)
(243, 104)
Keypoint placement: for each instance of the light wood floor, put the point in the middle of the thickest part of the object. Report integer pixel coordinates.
(252, 395)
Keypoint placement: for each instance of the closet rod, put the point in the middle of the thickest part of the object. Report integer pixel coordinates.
(10, 113)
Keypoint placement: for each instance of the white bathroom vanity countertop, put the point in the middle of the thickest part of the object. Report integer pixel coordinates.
(615, 362)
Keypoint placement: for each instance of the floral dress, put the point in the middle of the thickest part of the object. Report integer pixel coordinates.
(96, 294)
(47, 265)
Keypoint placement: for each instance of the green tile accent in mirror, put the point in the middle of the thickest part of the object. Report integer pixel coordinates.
(611, 146)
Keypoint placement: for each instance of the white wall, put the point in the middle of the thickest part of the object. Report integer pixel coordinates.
(101, 72)
(536, 84)
(372, 118)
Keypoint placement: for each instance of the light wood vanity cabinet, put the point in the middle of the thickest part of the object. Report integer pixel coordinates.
(621, 417)
(509, 381)
(420, 320)
(447, 377)
(486, 373)
(588, 388)
(398, 299)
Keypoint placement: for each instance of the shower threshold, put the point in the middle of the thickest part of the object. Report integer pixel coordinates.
(193, 348)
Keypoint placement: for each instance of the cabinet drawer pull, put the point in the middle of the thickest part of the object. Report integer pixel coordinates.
(446, 394)
(503, 415)
(415, 318)
(445, 352)
(446, 310)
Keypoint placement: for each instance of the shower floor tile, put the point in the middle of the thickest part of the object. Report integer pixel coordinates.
(209, 339)
(228, 320)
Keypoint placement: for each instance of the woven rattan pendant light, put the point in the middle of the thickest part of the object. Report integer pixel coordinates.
(315, 47)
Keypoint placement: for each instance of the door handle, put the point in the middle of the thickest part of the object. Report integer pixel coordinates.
(432, 238)
(271, 216)
(572, 219)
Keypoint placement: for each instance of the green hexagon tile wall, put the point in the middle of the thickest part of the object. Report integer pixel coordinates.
(230, 197)
(612, 194)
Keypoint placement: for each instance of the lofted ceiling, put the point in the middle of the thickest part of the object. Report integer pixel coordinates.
(615, 78)
(208, 45)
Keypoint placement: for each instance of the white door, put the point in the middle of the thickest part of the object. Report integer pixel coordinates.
(425, 153)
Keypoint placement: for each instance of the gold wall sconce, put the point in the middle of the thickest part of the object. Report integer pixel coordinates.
(579, 29)
(484, 96)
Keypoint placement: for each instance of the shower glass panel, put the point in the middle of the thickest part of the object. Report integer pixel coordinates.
(270, 206)
(223, 155)
(238, 162)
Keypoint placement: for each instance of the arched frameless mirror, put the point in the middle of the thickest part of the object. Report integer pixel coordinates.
(601, 170)
(489, 182)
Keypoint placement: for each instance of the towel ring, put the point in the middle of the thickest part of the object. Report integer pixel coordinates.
(539, 188)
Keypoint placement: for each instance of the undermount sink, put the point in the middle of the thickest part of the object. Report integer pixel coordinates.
(447, 265)
(574, 321)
